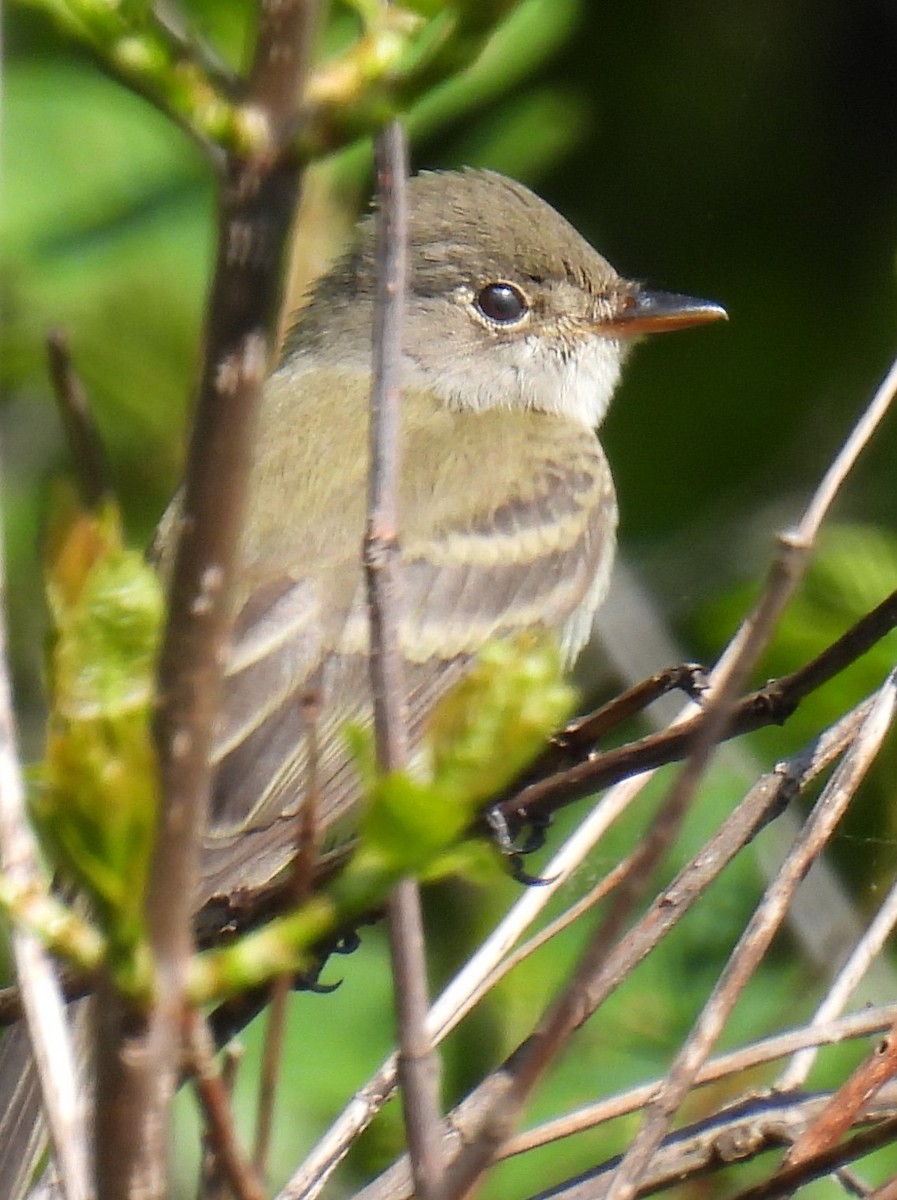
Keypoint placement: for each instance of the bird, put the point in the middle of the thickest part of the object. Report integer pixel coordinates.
(515, 334)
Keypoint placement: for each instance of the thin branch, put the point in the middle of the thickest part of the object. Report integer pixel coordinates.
(48, 1029)
(863, 954)
(84, 440)
(767, 796)
(301, 873)
(257, 205)
(581, 735)
(796, 546)
(829, 1126)
(395, 1183)
(418, 1064)
(856, 442)
(726, 681)
(756, 939)
(381, 545)
(213, 1183)
(460, 995)
(740, 1132)
(787, 1180)
(862, 1024)
(745, 1127)
(214, 1095)
(770, 705)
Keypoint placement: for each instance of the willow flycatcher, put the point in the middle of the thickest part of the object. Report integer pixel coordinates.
(516, 331)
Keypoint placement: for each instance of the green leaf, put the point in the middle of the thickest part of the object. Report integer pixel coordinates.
(486, 730)
(479, 738)
(477, 741)
(95, 798)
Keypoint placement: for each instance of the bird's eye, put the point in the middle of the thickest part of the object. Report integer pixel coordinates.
(502, 303)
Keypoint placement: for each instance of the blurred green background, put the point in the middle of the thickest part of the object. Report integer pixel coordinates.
(742, 152)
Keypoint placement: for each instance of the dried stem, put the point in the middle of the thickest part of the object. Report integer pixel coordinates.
(830, 1125)
(84, 440)
(770, 705)
(257, 204)
(214, 1094)
(741, 1131)
(857, 1025)
(418, 1065)
(786, 1181)
(755, 940)
(763, 801)
(864, 952)
(300, 886)
(727, 680)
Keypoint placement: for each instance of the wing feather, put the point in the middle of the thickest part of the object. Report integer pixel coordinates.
(541, 558)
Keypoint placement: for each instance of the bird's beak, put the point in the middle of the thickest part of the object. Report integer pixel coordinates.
(647, 311)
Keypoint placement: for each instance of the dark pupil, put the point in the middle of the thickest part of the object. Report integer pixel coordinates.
(501, 302)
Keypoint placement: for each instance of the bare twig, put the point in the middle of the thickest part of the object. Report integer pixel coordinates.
(865, 951)
(786, 1181)
(257, 204)
(83, 437)
(748, 1058)
(725, 683)
(460, 995)
(856, 442)
(583, 733)
(301, 878)
(214, 1095)
(741, 1131)
(840, 1112)
(727, 679)
(796, 546)
(418, 1065)
(762, 802)
(48, 1029)
(395, 1183)
(770, 705)
(381, 546)
(213, 1184)
(755, 940)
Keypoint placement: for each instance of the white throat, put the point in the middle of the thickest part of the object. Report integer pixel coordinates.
(571, 380)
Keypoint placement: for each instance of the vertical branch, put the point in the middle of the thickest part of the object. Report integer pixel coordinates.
(137, 1069)
(381, 548)
(224, 1158)
(417, 1063)
(302, 874)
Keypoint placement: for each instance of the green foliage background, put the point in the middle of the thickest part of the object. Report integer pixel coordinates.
(745, 152)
